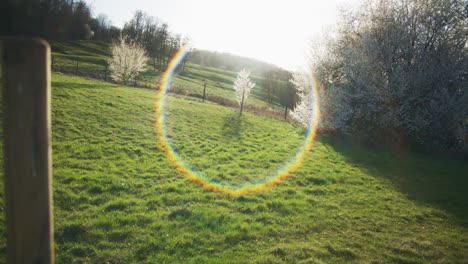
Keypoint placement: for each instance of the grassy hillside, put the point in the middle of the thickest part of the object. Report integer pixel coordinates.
(89, 58)
(117, 199)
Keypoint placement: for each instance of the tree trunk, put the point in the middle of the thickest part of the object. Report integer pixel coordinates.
(242, 103)
(285, 112)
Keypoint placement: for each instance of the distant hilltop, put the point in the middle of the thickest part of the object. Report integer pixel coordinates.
(231, 62)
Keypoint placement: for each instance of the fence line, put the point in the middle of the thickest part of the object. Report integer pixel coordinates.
(74, 67)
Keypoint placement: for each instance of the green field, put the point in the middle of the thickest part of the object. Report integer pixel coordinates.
(117, 198)
(91, 57)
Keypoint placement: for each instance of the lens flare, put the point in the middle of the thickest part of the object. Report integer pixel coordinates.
(205, 181)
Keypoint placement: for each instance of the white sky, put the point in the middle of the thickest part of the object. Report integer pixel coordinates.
(273, 31)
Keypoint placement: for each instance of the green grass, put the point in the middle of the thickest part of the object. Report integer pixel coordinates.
(117, 199)
(92, 56)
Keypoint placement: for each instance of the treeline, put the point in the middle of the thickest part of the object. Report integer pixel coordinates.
(69, 20)
(277, 89)
(273, 80)
(154, 36)
(396, 71)
(146, 30)
(227, 61)
(49, 19)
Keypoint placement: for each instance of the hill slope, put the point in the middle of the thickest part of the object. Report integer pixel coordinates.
(117, 199)
(89, 58)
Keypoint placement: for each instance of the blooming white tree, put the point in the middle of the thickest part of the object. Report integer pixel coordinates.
(393, 75)
(303, 111)
(128, 60)
(243, 86)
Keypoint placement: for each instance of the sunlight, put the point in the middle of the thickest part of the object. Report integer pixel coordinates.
(277, 32)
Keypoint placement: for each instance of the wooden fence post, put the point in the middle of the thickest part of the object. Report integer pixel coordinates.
(204, 91)
(105, 72)
(27, 150)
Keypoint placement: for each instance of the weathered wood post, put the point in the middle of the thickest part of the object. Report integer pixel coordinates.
(204, 90)
(27, 150)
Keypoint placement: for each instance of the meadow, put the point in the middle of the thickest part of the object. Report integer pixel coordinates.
(88, 58)
(117, 198)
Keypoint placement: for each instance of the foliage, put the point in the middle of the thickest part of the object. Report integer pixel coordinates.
(275, 86)
(103, 30)
(62, 20)
(53, 20)
(128, 60)
(287, 96)
(398, 68)
(302, 112)
(242, 87)
(154, 36)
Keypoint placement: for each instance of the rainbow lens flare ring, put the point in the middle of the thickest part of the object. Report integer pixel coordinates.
(197, 177)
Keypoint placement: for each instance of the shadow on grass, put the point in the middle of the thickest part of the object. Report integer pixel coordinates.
(436, 181)
(233, 125)
(77, 85)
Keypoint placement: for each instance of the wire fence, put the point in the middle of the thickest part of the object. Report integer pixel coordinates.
(98, 68)
(95, 68)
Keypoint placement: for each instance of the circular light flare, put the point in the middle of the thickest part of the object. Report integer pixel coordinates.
(206, 182)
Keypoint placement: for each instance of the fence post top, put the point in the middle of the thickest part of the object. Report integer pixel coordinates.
(24, 40)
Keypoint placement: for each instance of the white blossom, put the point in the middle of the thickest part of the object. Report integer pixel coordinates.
(243, 86)
(303, 111)
(128, 60)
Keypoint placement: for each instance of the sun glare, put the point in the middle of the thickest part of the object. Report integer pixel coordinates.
(277, 32)
(207, 182)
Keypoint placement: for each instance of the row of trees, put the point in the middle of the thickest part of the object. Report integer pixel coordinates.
(50, 19)
(277, 89)
(282, 90)
(103, 29)
(154, 36)
(396, 70)
(227, 61)
(145, 30)
(72, 20)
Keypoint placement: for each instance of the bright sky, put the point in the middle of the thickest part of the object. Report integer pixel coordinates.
(273, 31)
